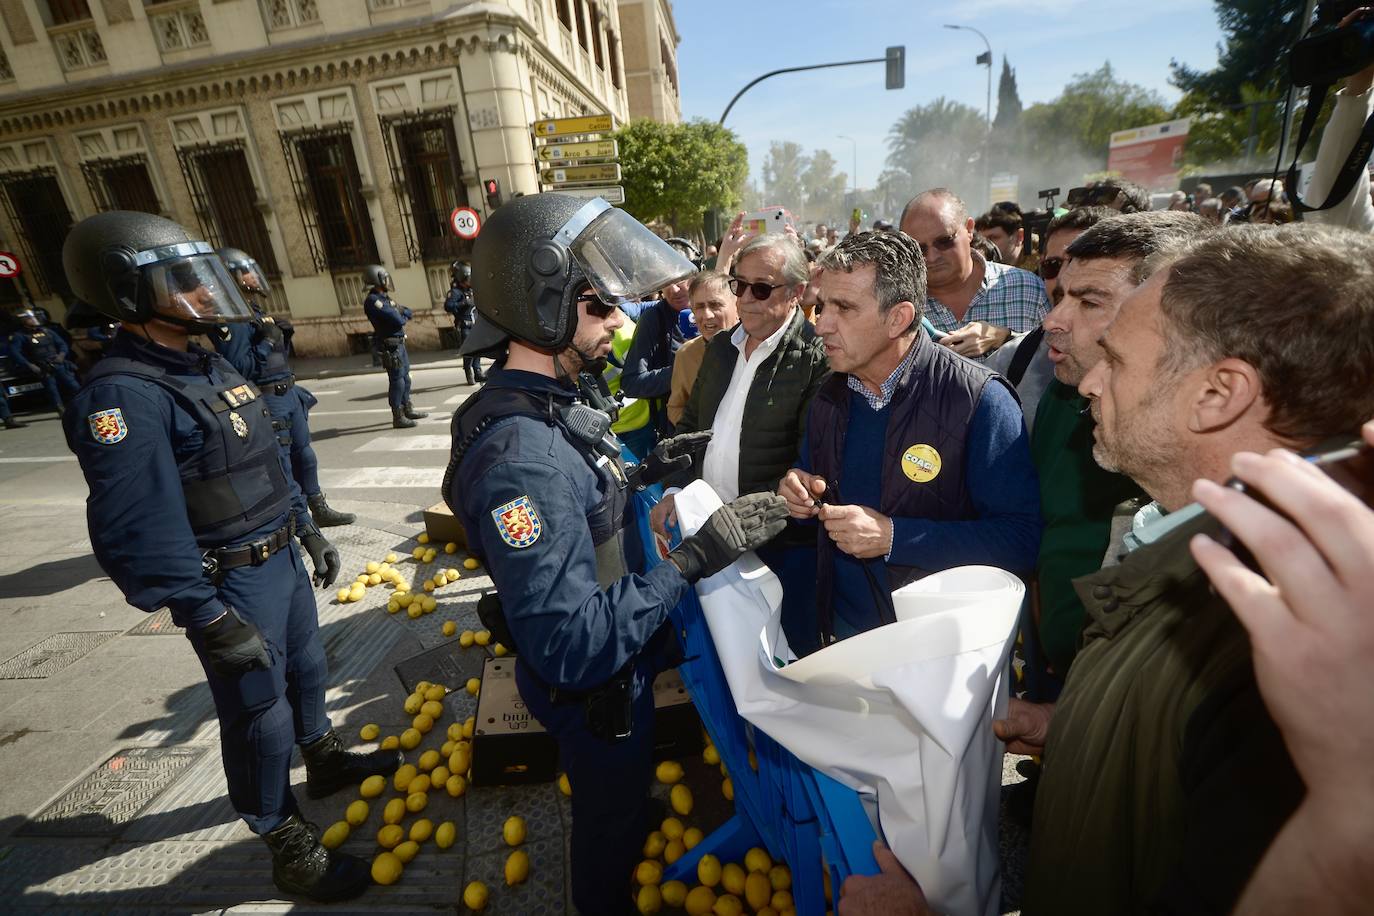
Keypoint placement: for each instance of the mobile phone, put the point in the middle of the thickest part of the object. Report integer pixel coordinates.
(1350, 464)
(769, 219)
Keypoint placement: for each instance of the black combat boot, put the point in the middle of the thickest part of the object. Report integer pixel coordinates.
(329, 768)
(399, 418)
(324, 516)
(412, 413)
(302, 867)
(14, 423)
(467, 371)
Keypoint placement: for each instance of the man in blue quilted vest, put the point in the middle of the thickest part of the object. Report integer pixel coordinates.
(915, 459)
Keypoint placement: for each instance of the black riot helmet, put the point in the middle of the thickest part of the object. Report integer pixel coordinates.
(136, 267)
(245, 271)
(689, 251)
(461, 271)
(537, 252)
(375, 275)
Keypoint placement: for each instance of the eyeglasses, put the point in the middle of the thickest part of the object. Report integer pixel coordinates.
(943, 243)
(1050, 267)
(595, 307)
(759, 290)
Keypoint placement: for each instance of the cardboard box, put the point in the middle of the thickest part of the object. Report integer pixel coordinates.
(442, 526)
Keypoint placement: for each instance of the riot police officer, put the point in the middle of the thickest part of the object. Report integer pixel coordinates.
(389, 338)
(260, 354)
(191, 507)
(463, 307)
(42, 351)
(538, 483)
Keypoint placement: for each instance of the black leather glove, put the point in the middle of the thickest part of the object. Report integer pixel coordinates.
(233, 646)
(670, 456)
(324, 556)
(732, 530)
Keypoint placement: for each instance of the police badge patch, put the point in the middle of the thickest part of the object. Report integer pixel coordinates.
(240, 425)
(107, 426)
(517, 522)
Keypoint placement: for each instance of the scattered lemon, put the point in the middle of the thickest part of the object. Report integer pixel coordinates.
(781, 900)
(674, 850)
(732, 878)
(517, 867)
(648, 872)
(436, 692)
(429, 587)
(412, 704)
(386, 868)
(417, 553)
(374, 579)
(439, 775)
(757, 859)
(392, 607)
(708, 870)
(356, 813)
(432, 708)
(654, 844)
(475, 896)
(450, 628)
(699, 901)
(513, 830)
(404, 774)
(422, 830)
(499, 650)
(727, 905)
(780, 876)
(649, 899)
(692, 836)
(410, 739)
(401, 585)
(369, 732)
(422, 724)
(451, 547)
(333, 837)
(415, 610)
(404, 599)
(711, 755)
(452, 575)
(469, 726)
(482, 637)
(372, 786)
(390, 743)
(455, 731)
(466, 638)
(394, 812)
(420, 783)
(406, 851)
(422, 538)
(372, 566)
(460, 759)
(357, 591)
(391, 558)
(727, 788)
(669, 772)
(415, 803)
(471, 563)
(390, 835)
(342, 594)
(430, 604)
(474, 685)
(674, 893)
(563, 785)
(757, 891)
(681, 798)
(445, 836)
(361, 579)
(457, 784)
(672, 828)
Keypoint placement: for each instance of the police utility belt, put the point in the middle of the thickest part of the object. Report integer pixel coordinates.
(219, 560)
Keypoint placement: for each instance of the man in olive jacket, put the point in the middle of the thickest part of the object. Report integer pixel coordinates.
(753, 392)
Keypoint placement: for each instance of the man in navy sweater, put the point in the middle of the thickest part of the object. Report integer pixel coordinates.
(916, 459)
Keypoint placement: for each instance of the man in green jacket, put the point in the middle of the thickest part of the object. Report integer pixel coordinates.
(1165, 778)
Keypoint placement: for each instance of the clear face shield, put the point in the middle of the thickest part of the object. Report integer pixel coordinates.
(188, 284)
(250, 277)
(619, 256)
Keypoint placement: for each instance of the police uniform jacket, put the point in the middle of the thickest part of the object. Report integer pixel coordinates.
(257, 351)
(542, 515)
(388, 319)
(462, 306)
(39, 348)
(175, 467)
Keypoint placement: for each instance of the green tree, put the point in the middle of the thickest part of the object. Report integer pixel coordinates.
(1008, 100)
(1084, 116)
(935, 145)
(676, 172)
(783, 169)
(824, 187)
(1256, 35)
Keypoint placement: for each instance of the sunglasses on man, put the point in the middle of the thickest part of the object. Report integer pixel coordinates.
(1050, 267)
(594, 306)
(943, 243)
(758, 289)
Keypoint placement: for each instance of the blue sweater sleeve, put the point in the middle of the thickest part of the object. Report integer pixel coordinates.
(648, 369)
(1005, 493)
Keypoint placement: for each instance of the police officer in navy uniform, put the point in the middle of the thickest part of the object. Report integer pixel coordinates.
(191, 507)
(462, 305)
(389, 337)
(42, 351)
(537, 480)
(259, 353)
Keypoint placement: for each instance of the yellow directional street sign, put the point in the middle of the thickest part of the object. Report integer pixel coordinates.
(593, 149)
(564, 127)
(609, 172)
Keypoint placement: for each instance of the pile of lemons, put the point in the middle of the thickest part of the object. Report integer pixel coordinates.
(385, 572)
(375, 573)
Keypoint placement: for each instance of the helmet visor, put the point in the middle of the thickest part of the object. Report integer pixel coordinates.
(620, 257)
(191, 286)
(250, 277)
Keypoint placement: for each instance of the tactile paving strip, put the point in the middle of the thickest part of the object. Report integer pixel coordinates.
(114, 794)
(159, 624)
(52, 654)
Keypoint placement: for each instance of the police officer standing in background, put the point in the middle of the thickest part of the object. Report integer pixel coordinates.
(259, 353)
(537, 481)
(463, 307)
(42, 351)
(191, 508)
(388, 324)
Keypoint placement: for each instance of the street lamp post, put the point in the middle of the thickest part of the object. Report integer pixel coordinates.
(854, 176)
(987, 182)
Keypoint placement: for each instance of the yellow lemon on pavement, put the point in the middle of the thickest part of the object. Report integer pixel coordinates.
(436, 692)
(681, 799)
(404, 599)
(394, 812)
(457, 784)
(517, 867)
(417, 553)
(404, 774)
(410, 739)
(415, 610)
(460, 759)
(474, 685)
(475, 896)
(422, 724)
(466, 638)
(674, 893)
(451, 547)
(708, 870)
(392, 607)
(692, 836)
(415, 802)
(356, 813)
(439, 775)
(450, 628)
(757, 859)
(333, 837)
(649, 900)
(369, 732)
(430, 604)
(471, 563)
(432, 708)
(422, 538)
(412, 704)
(674, 850)
(341, 594)
(445, 835)
(732, 878)
(391, 558)
(372, 566)
(374, 579)
(452, 575)
(361, 579)
(455, 732)
(386, 868)
(499, 650)
(429, 587)
(564, 785)
(669, 772)
(654, 844)
(757, 890)
(390, 743)
(390, 835)
(699, 901)
(672, 828)
(406, 851)
(469, 726)
(513, 830)
(420, 783)
(422, 830)
(482, 637)
(372, 786)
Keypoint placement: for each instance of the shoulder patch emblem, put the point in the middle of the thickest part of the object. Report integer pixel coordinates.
(107, 426)
(517, 522)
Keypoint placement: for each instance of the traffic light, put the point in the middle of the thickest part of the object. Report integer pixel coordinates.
(896, 67)
(493, 189)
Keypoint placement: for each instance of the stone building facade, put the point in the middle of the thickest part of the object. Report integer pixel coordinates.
(318, 135)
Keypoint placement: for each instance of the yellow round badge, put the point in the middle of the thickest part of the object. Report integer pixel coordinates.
(921, 463)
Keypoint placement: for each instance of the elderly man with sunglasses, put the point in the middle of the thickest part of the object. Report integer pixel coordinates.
(977, 304)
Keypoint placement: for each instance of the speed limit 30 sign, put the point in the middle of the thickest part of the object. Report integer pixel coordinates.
(465, 222)
(9, 266)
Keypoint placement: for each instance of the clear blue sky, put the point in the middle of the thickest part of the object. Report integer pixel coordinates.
(726, 44)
